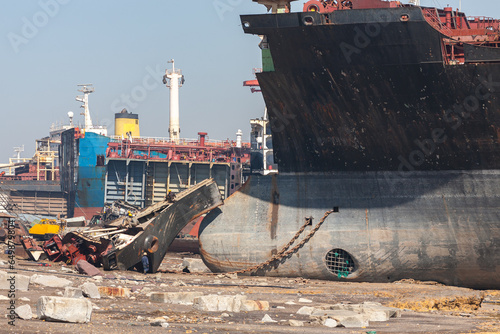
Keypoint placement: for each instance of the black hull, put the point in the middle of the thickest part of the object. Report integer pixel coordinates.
(382, 102)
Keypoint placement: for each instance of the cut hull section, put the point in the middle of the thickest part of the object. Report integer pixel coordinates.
(440, 226)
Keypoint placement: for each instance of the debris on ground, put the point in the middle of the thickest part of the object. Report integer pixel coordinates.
(64, 309)
(200, 303)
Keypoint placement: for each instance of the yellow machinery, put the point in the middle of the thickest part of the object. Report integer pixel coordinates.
(126, 124)
(45, 229)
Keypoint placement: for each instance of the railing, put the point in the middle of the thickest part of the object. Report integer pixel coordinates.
(180, 142)
(432, 17)
(482, 22)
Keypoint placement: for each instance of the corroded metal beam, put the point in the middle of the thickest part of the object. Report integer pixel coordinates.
(154, 229)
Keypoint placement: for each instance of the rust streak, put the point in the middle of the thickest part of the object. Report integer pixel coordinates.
(222, 265)
(275, 202)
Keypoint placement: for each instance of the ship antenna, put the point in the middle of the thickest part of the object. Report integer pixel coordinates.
(86, 90)
(18, 151)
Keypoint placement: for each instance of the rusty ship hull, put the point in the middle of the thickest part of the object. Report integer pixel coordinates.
(371, 93)
(371, 118)
(422, 225)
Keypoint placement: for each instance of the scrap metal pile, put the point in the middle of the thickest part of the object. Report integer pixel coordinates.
(125, 233)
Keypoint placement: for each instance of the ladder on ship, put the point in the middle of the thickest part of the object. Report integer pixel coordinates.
(432, 17)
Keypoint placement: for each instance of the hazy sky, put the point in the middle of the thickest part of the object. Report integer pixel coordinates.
(122, 47)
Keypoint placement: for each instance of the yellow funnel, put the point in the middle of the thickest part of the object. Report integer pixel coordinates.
(126, 123)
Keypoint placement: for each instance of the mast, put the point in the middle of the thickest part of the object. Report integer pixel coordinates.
(174, 79)
(86, 90)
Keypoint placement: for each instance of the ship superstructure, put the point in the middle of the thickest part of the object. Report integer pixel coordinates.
(262, 157)
(140, 170)
(86, 89)
(144, 170)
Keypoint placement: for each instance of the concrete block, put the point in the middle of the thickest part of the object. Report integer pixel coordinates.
(330, 323)
(216, 303)
(391, 312)
(306, 310)
(254, 305)
(70, 292)
(345, 318)
(207, 303)
(267, 318)
(305, 300)
(24, 312)
(296, 323)
(376, 315)
(19, 282)
(357, 321)
(77, 310)
(194, 266)
(231, 303)
(90, 290)
(182, 298)
(50, 281)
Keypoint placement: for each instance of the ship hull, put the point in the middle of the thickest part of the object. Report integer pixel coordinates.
(318, 128)
(370, 118)
(368, 92)
(439, 226)
(83, 172)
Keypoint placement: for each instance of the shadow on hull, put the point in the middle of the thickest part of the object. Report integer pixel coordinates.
(387, 226)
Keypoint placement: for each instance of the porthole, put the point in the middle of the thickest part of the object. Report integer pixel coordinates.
(308, 20)
(246, 24)
(340, 262)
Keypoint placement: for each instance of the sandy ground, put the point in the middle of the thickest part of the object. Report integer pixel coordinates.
(427, 307)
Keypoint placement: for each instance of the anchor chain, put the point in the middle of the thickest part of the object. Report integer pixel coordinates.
(284, 252)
